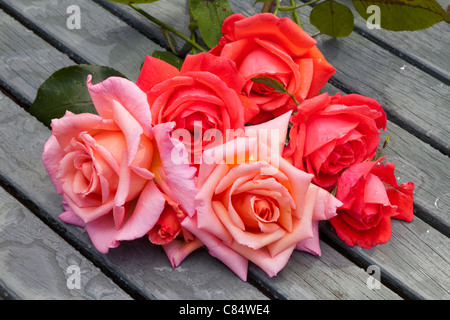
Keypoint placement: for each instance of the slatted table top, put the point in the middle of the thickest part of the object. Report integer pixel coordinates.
(407, 72)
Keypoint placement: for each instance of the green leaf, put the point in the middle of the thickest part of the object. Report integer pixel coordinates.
(332, 18)
(133, 1)
(403, 15)
(275, 84)
(168, 57)
(209, 16)
(66, 89)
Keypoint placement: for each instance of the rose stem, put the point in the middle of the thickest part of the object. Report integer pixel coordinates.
(166, 26)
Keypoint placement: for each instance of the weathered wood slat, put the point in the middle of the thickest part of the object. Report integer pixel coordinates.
(426, 49)
(24, 62)
(103, 38)
(339, 278)
(35, 262)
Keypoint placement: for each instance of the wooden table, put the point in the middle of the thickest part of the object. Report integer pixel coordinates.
(408, 73)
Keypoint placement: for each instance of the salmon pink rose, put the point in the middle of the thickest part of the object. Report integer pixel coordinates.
(371, 197)
(253, 205)
(201, 98)
(264, 45)
(102, 165)
(330, 134)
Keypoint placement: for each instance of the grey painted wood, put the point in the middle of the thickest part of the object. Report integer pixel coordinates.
(427, 48)
(35, 262)
(339, 278)
(25, 59)
(103, 38)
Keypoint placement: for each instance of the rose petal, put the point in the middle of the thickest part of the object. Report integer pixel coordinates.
(284, 32)
(252, 240)
(273, 133)
(51, 157)
(222, 67)
(311, 245)
(178, 250)
(236, 262)
(325, 205)
(72, 218)
(119, 94)
(173, 173)
(68, 127)
(206, 219)
(262, 258)
(154, 71)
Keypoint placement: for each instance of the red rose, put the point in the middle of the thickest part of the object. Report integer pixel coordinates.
(264, 45)
(203, 95)
(330, 134)
(371, 196)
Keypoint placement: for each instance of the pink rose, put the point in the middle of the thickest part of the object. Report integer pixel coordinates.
(253, 205)
(329, 134)
(104, 165)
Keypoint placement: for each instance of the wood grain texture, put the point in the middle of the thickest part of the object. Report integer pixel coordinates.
(427, 49)
(35, 261)
(103, 38)
(330, 277)
(25, 59)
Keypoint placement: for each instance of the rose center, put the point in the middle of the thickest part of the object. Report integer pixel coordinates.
(263, 209)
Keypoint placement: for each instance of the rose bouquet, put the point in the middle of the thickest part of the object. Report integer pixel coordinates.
(236, 151)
